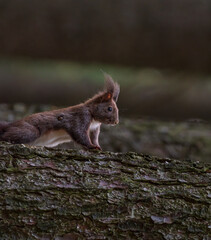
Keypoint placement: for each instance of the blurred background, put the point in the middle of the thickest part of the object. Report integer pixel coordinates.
(52, 51)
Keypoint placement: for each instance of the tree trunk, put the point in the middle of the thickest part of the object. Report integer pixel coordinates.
(69, 194)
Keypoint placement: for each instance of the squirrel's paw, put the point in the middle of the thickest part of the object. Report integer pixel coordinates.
(98, 148)
(95, 147)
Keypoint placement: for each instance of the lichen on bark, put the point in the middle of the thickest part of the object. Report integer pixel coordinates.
(73, 194)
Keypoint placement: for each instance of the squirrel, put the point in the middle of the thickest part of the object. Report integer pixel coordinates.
(80, 123)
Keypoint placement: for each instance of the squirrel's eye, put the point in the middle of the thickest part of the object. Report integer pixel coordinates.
(109, 109)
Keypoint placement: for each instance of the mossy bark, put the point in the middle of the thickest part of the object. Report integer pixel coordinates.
(70, 194)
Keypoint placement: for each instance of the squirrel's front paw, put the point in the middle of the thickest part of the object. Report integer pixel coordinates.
(98, 148)
(95, 147)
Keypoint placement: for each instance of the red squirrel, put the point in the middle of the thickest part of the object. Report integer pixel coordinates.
(80, 123)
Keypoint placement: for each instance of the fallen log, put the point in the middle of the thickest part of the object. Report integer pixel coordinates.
(73, 194)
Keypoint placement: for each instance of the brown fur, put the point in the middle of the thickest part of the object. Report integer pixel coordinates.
(81, 122)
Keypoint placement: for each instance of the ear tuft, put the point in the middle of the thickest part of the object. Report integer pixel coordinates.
(111, 87)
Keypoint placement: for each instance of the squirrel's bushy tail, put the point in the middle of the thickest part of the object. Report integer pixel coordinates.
(3, 125)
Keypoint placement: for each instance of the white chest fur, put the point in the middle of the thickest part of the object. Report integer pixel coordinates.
(94, 125)
(52, 138)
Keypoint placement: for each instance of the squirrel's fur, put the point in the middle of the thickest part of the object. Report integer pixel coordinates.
(80, 123)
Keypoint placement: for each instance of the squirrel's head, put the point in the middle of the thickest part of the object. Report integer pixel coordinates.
(103, 107)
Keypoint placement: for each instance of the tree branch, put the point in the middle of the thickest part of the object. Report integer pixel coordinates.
(68, 194)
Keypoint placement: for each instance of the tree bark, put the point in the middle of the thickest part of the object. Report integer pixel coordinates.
(60, 194)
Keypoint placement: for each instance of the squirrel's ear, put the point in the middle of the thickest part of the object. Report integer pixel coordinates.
(111, 87)
(106, 97)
